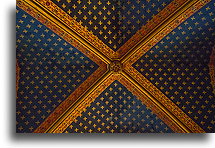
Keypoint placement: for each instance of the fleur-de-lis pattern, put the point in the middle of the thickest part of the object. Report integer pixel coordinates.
(50, 70)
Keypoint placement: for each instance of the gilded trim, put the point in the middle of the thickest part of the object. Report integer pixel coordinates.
(62, 30)
(75, 96)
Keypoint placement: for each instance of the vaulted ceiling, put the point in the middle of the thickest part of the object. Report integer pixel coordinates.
(115, 66)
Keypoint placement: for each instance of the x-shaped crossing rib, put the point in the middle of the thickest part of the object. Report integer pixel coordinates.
(113, 65)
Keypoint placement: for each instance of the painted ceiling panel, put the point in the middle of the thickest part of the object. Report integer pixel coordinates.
(115, 66)
(50, 70)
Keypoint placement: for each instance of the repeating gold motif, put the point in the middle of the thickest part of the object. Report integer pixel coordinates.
(160, 97)
(77, 102)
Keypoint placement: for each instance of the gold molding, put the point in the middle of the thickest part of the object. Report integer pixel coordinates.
(173, 111)
(178, 127)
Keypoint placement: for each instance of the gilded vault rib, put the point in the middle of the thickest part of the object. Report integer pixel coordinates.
(162, 29)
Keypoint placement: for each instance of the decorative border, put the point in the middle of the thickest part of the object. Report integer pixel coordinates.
(212, 69)
(77, 44)
(66, 19)
(147, 84)
(77, 110)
